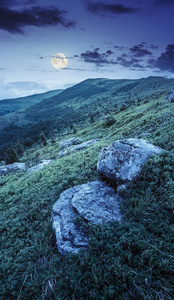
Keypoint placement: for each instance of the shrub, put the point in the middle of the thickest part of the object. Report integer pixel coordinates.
(11, 155)
(109, 121)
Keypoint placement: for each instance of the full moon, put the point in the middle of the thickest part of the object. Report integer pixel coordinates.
(59, 61)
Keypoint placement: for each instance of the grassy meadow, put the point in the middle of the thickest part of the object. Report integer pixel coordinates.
(133, 259)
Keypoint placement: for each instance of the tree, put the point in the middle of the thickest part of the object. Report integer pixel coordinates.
(43, 138)
(11, 155)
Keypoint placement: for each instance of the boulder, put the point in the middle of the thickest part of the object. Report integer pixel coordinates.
(41, 165)
(12, 168)
(170, 96)
(94, 202)
(69, 142)
(124, 158)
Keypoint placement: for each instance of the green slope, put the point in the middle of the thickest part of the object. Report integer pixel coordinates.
(8, 106)
(76, 106)
(131, 260)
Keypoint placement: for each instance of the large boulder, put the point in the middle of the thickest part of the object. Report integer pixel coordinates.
(40, 166)
(94, 202)
(170, 96)
(124, 158)
(12, 168)
(69, 142)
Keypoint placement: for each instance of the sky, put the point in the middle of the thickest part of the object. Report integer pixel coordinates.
(101, 39)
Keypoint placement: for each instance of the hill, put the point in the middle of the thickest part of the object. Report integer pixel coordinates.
(8, 106)
(77, 106)
(128, 260)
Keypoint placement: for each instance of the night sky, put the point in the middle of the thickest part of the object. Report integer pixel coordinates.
(107, 39)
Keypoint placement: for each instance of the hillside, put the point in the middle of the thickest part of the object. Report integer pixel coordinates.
(8, 106)
(77, 106)
(125, 261)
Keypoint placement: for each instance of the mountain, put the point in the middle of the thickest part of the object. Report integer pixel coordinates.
(8, 106)
(87, 101)
(129, 260)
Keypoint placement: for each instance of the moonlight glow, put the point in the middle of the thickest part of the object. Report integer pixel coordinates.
(59, 61)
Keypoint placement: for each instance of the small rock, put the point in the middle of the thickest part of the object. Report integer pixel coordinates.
(12, 168)
(62, 152)
(69, 142)
(41, 165)
(78, 147)
(94, 202)
(83, 145)
(170, 96)
(124, 158)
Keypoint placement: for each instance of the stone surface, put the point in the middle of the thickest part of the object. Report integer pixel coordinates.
(170, 96)
(69, 142)
(83, 145)
(62, 153)
(78, 147)
(41, 165)
(94, 202)
(124, 158)
(12, 168)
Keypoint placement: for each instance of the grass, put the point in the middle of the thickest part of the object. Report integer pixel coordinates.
(129, 260)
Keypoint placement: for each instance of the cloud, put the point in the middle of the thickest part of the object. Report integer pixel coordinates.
(135, 58)
(165, 62)
(132, 59)
(19, 89)
(154, 47)
(96, 57)
(118, 47)
(25, 85)
(139, 50)
(163, 2)
(127, 62)
(102, 8)
(12, 3)
(14, 20)
(109, 52)
(8, 3)
(138, 67)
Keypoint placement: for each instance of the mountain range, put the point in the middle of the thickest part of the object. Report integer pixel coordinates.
(75, 106)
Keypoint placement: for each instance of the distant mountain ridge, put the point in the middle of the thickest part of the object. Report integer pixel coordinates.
(8, 106)
(84, 102)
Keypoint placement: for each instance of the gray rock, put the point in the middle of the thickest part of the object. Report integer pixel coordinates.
(78, 147)
(12, 168)
(69, 142)
(170, 96)
(41, 165)
(94, 202)
(83, 145)
(62, 153)
(124, 158)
